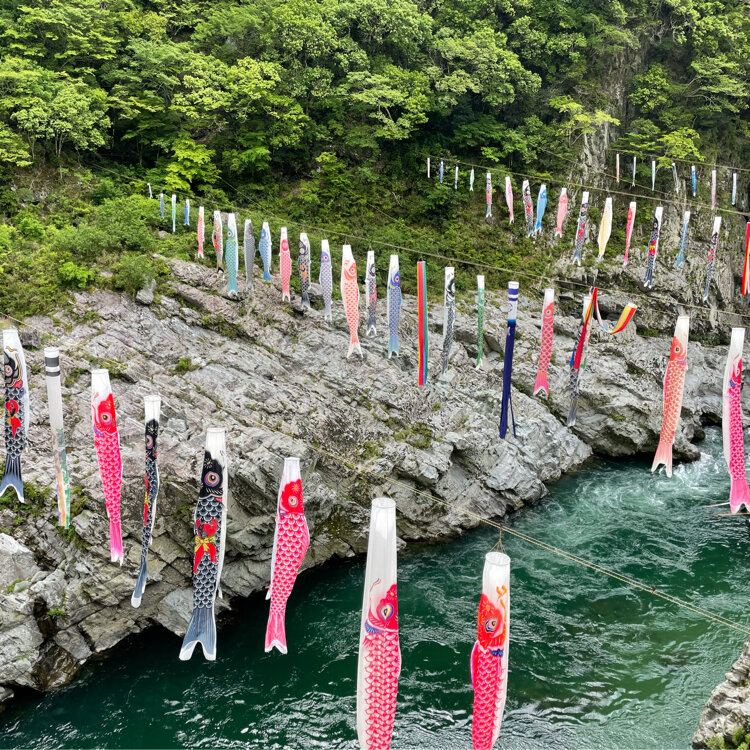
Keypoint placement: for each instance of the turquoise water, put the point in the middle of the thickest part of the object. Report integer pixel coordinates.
(593, 663)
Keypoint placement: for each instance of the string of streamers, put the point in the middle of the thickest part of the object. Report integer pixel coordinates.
(683, 161)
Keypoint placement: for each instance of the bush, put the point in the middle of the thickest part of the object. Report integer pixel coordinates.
(84, 241)
(75, 276)
(134, 272)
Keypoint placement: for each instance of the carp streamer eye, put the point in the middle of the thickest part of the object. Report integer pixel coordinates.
(106, 417)
(211, 479)
(149, 441)
(386, 611)
(490, 625)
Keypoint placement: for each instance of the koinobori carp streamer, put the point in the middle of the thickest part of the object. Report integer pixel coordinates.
(541, 206)
(480, 319)
(506, 408)
(471, 180)
(350, 296)
(54, 404)
(371, 295)
(578, 359)
(562, 211)
(617, 167)
(731, 424)
(161, 204)
(231, 255)
(217, 237)
(634, 165)
(441, 172)
(303, 268)
(325, 278)
(201, 230)
(508, 197)
(174, 213)
(210, 529)
(605, 227)
(449, 313)
(290, 542)
(713, 189)
(581, 228)
(548, 334)
(746, 266)
(379, 662)
(422, 337)
(653, 247)
(16, 411)
(712, 256)
(683, 239)
(488, 195)
(285, 263)
(249, 253)
(629, 230)
(186, 222)
(692, 178)
(528, 207)
(394, 305)
(676, 179)
(264, 248)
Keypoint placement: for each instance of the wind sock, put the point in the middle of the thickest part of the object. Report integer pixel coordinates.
(303, 268)
(161, 204)
(428, 167)
(605, 227)
(541, 205)
(379, 663)
(629, 230)
(674, 382)
(712, 255)
(16, 411)
(174, 213)
(449, 313)
(508, 196)
(653, 175)
(394, 305)
(350, 295)
(713, 189)
(734, 188)
(441, 172)
(325, 278)
(653, 246)
(249, 252)
(152, 412)
(731, 423)
(471, 180)
(480, 319)
(231, 253)
(422, 338)
(488, 195)
(746, 267)
(692, 177)
(201, 230)
(617, 167)
(676, 179)
(510, 338)
(371, 293)
(150, 193)
(581, 229)
(489, 657)
(54, 403)
(210, 527)
(625, 316)
(285, 261)
(578, 360)
(264, 248)
(455, 179)
(107, 445)
(217, 237)
(683, 239)
(528, 207)
(187, 212)
(548, 334)
(634, 162)
(562, 211)
(290, 542)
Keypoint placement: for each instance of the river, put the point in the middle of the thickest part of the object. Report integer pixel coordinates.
(594, 663)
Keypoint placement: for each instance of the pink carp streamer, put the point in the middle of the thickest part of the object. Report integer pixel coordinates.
(285, 261)
(731, 423)
(488, 195)
(350, 296)
(548, 334)
(746, 267)
(201, 230)
(509, 197)
(489, 657)
(379, 663)
(562, 211)
(629, 230)
(674, 384)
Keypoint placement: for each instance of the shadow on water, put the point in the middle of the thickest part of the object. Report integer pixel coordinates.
(594, 663)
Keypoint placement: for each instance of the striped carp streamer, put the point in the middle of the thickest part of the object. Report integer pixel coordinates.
(653, 246)
(449, 313)
(629, 230)
(471, 180)
(625, 316)
(548, 334)
(489, 657)
(713, 189)
(325, 278)
(441, 172)
(692, 178)
(731, 423)
(422, 336)
(683, 239)
(541, 206)
(290, 542)
(488, 195)
(107, 445)
(578, 359)
(285, 263)
(16, 411)
(350, 296)
(54, 403)
(480, 320)
(506, 409)
(674, 383)
(508, 197)
(428, 167)
(201, 231)
(152, 411)
(187, 212)
(210, 529)
(455, 179)
(634, 163)
(161, 204)
(653, 175)
(394, 305)
(562, 211)
(264, 248)
(174, 213)
(581, 228)
(605, 227)
(231, 255)
(249, 253)
(528, 207)
(712, 256)
(150, 193)
(746, 267)
(371, 294)
(676, 179)
(303, 268)
(734, 188)
(379, 662)
(617, 167)
(217, 237)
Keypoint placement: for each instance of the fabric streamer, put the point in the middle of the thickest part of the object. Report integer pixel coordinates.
(449, 313)
(174, 213)
(508, 197)
(734, 188)
(605, 227)
(201, 231)
(441, 172)
(231, 255)
(653, 175)
(325, 279)
(394, 305)
(488, 195)
(578, 359)
(692, 177)
(746, 267)
(428, 167)
(713, 189)
(581, 229)
(625, 316)
(187, 212)
(303, 268)
(653, 246)
(54, 404)
(350, 296)
(471, 180)
(152, 405)
(617, 167)
(676, 179)
(107, 445)
(290, 542)
(506, 409)
(217, 237)
(150, 193)
(629, 230)
(634, 162)
(455, 179)
(285, 262)
(16, 411)
(379, 662)
(264, 248)
(528, 207)
(712, 256)
(541, 205)
(731, 424)
(548, 334)
(480, 320)
(371, 294)
(161, 204)
(249, 253)
(674, 382)
(562, 211)
(489, 657)
(210, 529)
(683, 239)
(423, 348)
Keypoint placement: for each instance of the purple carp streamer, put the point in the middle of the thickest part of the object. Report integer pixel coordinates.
(528, 207)
(394, 305)
(371, 294)
(264, 248)
(54, 403)
(249, 253)
(712, 256)
(480, 320)
(449, 313)
(581, 228)
(653, 247)
(488, 196)
(187, 212)
(509, 198)
(325, 278)
(303, 268)
(16, 410)
(506, 409)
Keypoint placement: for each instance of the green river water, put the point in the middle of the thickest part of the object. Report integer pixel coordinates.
(593, 663)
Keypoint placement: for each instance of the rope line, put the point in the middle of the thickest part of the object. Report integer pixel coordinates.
(674, 158)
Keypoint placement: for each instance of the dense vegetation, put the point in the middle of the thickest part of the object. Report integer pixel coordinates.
(323, 111)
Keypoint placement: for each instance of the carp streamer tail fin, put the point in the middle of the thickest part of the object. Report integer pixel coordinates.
(739, 494)
(392, 346)
(115, 540)
(12, 477)
(276, 633)
(663, 455)
(140, 585)
(202, 629)
(541, 384)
